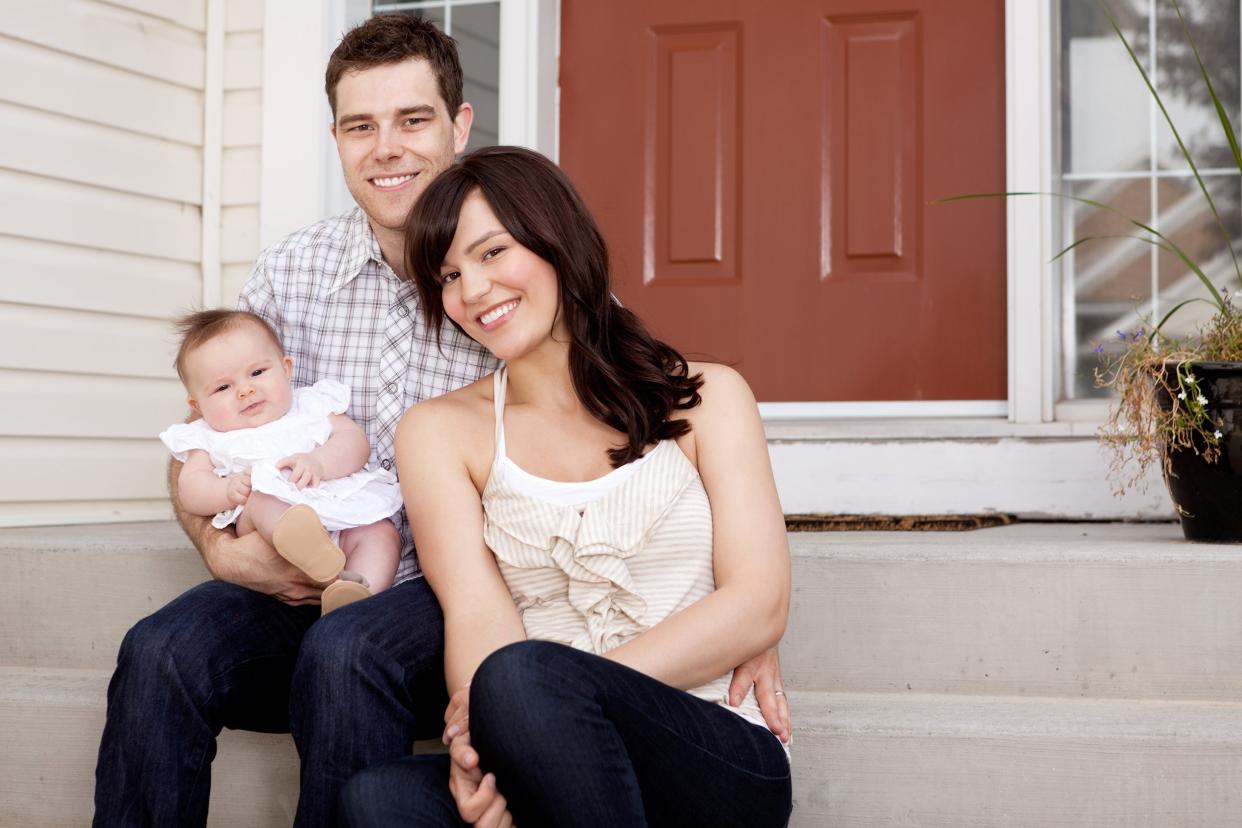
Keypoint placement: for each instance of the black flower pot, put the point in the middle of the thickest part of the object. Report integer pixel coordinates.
(1208, 496)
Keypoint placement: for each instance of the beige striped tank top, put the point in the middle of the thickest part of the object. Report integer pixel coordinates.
(593, 575)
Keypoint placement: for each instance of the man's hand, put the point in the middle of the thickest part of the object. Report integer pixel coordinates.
(478, 801)
(304, 469)
(250, 562)
(237, 489)
(764, 672)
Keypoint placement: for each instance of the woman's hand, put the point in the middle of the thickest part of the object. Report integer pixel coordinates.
(764, 672)
(457, 715)
(478, 801)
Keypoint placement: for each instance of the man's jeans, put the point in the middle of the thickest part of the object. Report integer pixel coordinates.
(355, 687)
(577, 740)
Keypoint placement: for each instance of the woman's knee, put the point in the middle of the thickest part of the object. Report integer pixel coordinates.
(526, 680)
(518, 665)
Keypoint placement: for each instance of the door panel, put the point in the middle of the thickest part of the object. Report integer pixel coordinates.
(762, 173)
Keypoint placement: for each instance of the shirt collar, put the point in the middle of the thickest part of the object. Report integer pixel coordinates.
(361, 246)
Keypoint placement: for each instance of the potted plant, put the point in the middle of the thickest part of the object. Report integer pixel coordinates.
(1178, 399)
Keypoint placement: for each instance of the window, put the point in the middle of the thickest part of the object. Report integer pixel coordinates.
(1116, 148)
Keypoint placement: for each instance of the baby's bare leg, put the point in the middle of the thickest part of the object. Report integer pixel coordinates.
(261, 514)
(372, 552)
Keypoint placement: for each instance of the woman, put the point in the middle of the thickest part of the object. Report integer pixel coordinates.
(600, 524)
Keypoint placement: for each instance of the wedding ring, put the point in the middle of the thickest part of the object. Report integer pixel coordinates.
(779, 692)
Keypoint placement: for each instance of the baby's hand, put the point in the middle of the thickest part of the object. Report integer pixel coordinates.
(238, 488)
(304, 469)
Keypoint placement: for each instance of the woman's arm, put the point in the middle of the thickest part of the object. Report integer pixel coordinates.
(750, 552)
(345, 452)
(446, 517)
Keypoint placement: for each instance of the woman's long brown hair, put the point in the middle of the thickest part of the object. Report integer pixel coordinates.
(625, 377)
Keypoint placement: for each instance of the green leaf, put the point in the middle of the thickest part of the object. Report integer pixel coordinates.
(1173, 127)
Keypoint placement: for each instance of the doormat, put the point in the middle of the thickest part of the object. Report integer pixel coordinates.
(894, 523)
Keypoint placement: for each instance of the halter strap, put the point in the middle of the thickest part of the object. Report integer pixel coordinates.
(500, 383)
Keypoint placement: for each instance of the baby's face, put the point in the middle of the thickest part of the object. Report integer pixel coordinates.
(240, 379)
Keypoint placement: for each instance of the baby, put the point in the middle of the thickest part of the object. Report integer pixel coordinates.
(281, 462)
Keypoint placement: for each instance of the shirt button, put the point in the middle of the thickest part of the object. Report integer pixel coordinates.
(387, 464)
(391, 388)
(402, 310)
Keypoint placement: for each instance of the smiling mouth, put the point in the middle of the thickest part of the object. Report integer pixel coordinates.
(497, 312)
(253, 408)
(392, 182)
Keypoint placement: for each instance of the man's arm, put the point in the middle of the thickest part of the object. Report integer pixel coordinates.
(247, 561)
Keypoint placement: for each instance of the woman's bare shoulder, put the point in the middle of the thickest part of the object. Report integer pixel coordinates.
(723, 387)
(461, 412)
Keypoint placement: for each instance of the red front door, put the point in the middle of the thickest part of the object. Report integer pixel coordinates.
(762, 172)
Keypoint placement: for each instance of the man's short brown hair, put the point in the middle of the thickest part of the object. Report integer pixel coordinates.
(394, 38)
(198, 328)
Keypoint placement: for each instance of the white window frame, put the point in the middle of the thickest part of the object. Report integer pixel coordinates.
(300, 180)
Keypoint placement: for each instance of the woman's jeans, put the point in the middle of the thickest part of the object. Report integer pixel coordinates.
(575, 739)
(355, 687)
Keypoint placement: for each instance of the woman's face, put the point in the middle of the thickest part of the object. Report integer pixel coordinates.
(501, 294)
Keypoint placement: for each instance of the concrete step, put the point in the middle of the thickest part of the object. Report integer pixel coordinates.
(52, 720)
(71, 592)
(859, 760)
(937, 761)
(1081, 610)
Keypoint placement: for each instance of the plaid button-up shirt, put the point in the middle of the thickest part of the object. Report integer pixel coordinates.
(342, 314)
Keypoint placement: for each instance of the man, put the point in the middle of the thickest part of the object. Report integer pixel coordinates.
(248, 649)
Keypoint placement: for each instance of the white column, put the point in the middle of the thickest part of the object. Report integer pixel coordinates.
(1030, 137)
(529, 51)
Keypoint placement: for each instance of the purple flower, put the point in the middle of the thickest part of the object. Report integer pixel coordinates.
(1099, 349)
(1121, 335)
(1140, 333)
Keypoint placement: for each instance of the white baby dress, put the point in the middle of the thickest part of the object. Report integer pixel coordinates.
(359, 499)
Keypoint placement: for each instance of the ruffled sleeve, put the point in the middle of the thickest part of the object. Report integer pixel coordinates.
(322, 399)
(183, 438)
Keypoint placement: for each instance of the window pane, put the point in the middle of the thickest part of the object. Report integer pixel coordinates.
(1107, 280)
(1104, 103)
(477, 31)
(1186, 219)
(1214, 26)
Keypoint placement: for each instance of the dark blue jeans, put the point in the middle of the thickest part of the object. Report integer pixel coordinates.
(575, 739)
(355, 687)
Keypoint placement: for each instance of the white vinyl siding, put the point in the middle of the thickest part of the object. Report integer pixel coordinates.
(242, 128)
(101, 176)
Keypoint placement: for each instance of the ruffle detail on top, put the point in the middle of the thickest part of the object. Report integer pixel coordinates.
(592, 547)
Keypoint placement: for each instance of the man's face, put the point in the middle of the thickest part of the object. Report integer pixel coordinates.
(394, 134)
